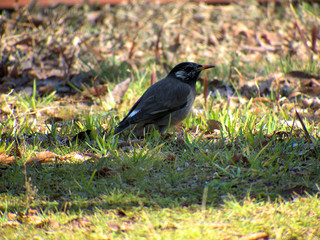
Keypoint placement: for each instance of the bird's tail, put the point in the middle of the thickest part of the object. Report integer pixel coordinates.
(120, 128)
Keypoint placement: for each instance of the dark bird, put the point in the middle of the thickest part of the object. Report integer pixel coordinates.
(167, 102)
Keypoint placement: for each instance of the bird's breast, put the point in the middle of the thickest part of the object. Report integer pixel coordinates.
(182, 113)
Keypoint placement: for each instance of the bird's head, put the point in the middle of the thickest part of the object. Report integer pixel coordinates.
(188, 71)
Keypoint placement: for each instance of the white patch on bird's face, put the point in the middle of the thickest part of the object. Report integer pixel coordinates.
(134, 112)
(187, 73)
(181, 74)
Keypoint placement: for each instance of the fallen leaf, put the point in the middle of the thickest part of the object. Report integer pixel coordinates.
(14, 71)
(170, 158)
(4, 159)
(240, 158)
(168, 225)
(306, 102)
(106, 171)
(256, 236)
(32, 212)
(126, 226)
(79, 222)
(96, 91)
(10, 224)
(214, 125)
(53, 120)
(301, 74)
(28, 41)
(34, 219)
(48, 223)
(95, 52)
(48, 88)
(118, 91)
(113, 226)
(45, 156)
(121, 213)
(240, 29)
(271, 38)
(12, 216)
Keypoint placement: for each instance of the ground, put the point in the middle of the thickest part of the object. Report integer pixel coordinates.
(243, 165)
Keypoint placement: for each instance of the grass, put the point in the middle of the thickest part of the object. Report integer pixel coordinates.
(256, 177)
(160, 184)
(232, 219)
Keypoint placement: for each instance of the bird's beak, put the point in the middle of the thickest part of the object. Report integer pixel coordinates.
(203, 67)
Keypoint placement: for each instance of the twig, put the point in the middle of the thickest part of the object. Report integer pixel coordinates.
(309, 49)
(314, 39)
(304, 127)
(133, 45)
(205, 87)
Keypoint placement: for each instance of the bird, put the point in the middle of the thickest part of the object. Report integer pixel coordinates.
(165, 103)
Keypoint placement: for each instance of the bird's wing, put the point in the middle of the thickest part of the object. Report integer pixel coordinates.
(152, 105)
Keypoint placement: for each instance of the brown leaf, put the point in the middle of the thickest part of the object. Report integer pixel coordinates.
(176, 45)
(306, 102)
(4, 159)
(12, 216)
(261, 142)
(121, 213)
(301, 74)
(314, 37)
(94, 16)
(271, 38)
(118, 91)
(168, 225)
(313, 91)
(32, 212)
(10, 224)
(15, 150)
(79, 222)
(133, 46)
(48, 223)
(241, 29)
(53, 120)
(257, 87)
(106, 171)
(256, 236)
(315, 104)
(170, 158)
(45, 156)
(28, 41)
(48, 88)
(14, 71)
(95, 52)
(113, 226)
(34, 219)
(240, 158)
(36, 20)
(81, 156)
(126, 226)
(96, 91)
(214, 125)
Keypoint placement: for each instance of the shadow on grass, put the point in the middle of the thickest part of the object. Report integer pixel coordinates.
(170, 178)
